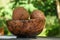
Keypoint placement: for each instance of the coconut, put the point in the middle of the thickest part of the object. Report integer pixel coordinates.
(20, 13)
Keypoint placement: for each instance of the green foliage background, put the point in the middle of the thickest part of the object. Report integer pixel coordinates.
(52, 26)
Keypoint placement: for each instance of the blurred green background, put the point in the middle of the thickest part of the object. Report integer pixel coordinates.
(49, 7)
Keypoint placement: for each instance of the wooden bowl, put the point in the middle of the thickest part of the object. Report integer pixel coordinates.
(26, 28)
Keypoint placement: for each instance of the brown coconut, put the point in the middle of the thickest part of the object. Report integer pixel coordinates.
(37, 14)
(20, 13)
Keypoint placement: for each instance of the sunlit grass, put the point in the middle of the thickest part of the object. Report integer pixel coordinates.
(43, 33)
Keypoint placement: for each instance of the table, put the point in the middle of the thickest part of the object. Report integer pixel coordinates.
(37, 38)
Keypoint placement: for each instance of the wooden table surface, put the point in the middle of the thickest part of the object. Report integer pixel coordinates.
(37, 38)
